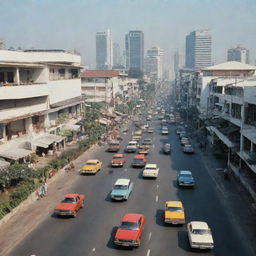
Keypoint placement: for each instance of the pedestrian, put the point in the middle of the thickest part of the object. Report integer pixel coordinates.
(72, 166)
(43, 189)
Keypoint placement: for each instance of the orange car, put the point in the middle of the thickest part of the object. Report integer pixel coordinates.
(70, 205)
(139, 161)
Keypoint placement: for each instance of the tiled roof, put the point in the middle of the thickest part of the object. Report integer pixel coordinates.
(100, 73)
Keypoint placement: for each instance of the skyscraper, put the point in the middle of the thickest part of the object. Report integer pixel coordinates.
(240, 54)
(134, 47)
(198, 49)
(178, 61)
(104, 49)
(116, 55)
(154, 62)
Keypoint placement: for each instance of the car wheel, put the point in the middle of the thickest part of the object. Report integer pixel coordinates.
(74, 214)
(138, 244)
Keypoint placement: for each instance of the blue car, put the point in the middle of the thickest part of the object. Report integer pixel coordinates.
(122, 189)
(185, 178)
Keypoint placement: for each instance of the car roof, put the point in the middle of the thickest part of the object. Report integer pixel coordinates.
(122, 181)
(131, 217)
(151, 166)
(174, 203)
(118, 155)
(139, 156)
(92, 161)
(199, 225)
(185, 172)
(71, 195)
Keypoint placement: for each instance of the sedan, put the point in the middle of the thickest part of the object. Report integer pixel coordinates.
(188, 149)
(70, 205)
(166, 149)
(118, 160)
(130, 230)
(185, 178)
(174, 212)
(91, 167)
(200, 235)
(122, 189)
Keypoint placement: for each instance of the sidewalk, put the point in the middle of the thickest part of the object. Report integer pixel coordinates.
(33, 212)
(236, 198)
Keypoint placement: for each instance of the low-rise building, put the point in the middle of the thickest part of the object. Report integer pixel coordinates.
(39, 90)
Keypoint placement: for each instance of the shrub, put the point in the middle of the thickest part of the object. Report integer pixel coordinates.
(5, 208)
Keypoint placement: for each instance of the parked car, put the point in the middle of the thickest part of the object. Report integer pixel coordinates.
(70, 205)
(114, 146)
(174, 212)
(130, 230)
(185, 178)
(91, 167)
(200, 235)
(122, 189)
(150, 130)
(118, 160)
(188, 149)
(150, 171)
(139, 161)
(131, 147)
(166, 148)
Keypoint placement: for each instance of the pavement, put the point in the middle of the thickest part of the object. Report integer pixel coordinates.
(223, 204)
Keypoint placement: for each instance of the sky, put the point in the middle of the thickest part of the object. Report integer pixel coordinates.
(72, 24)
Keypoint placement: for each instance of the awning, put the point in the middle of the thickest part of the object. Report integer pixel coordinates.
(72, 127)
(4, 164)
(222, 137)
(47, 140)
(15, 154)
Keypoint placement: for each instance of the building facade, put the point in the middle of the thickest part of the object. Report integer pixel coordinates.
(198, 49)
(104, 50)
(240, 54)
(38, 90)
(134, 47)
(154, 62)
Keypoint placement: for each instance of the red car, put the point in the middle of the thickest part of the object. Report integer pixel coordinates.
(118, 160)
(130, 230)
(139, 161)
(70, 205)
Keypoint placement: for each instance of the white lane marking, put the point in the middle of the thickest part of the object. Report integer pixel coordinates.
(125, 169)
(153, 146)
(156, 198)
(148, 253)
(94, 249)
(149, 236)
(157, 186)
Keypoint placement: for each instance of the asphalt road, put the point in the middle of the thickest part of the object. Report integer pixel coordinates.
(92, 231)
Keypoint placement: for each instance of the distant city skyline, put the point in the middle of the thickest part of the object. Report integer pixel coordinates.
(73, 24)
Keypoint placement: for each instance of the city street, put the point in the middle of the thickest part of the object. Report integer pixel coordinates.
(92, 231)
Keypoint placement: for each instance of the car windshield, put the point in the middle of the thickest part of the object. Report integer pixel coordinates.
(201, 231)
(174, 209)
(120, 187)
(137, 160)
(150, 168)
(90, 163)
(117, 157)
(129, 225)
(186, 175)
(70, 200)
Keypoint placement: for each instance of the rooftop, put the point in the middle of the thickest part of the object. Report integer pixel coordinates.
(122, 182)
(100, 73)
(231, 65)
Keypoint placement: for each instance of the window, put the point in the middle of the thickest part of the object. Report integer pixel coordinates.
(10, 77)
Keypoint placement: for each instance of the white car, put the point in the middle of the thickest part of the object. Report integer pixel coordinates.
(150, 171)
(200, 235)
(164, 132)
(131, 147)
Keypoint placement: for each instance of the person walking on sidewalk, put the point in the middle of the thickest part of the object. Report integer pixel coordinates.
(43, 189)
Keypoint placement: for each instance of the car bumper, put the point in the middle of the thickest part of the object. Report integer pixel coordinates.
(174, 222)
(117, 164)
(149, 175)
(63, 213)
(202, 246)
(126, 244)
(118, 198)
(88, 172)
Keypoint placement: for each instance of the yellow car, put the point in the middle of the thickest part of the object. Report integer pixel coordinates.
(174, 212)
(91, 167)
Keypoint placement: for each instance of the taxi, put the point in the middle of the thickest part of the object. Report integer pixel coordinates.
(91, 167)
(174, 213)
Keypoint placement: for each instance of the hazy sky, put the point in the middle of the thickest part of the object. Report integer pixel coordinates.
(72, 24)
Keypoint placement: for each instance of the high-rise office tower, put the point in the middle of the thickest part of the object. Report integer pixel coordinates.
(154, 62)
(198, 49)
(178, 61)
(117, 58)
(240, 54)
(134, 47)
(104, 49)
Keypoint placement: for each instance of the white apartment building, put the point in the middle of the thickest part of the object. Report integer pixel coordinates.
(108, 86)
(36, 88)
(154, 62)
